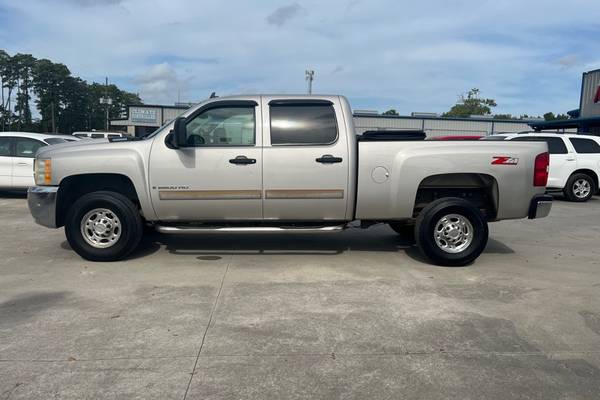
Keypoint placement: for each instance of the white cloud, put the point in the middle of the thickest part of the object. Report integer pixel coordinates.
(158, 84)
(283, 14)
(381, 54)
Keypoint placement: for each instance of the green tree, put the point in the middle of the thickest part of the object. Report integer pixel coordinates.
(24, 64)
(65, 103)
(9, 76)
(391, 112)
(4, 59)
(48, 82)
(549, 116)
(471, 104)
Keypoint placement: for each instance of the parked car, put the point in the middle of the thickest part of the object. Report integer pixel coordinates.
(17, 152)
(99, 135)
(574, 161)
(270, 164)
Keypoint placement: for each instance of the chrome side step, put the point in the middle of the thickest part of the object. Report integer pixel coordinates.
(193, 230)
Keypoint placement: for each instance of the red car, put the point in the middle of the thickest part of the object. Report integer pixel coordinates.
(456, 137)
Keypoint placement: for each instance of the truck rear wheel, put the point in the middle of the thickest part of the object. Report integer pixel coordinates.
(579, 188)
(451, 231)
(103, 226)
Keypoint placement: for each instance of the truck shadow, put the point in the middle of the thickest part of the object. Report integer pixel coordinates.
(19, 194)
(207, 246)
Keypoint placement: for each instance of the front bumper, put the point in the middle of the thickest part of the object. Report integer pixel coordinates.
(42, 204)
(540, 206)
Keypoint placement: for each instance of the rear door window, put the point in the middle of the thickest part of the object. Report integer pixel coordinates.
(97, 136)
(555, 144)
(303, 124)
(25, 147)
(6, 146)
(585, 146)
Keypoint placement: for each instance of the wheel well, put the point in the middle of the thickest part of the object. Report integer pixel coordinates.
(73, 187)
(590, 173)
(479, 189)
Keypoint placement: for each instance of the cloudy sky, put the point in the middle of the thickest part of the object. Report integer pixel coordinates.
(407, 55)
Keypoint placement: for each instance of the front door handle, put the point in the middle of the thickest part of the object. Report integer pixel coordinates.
(243, 160)
(329, 159)
(22, 163)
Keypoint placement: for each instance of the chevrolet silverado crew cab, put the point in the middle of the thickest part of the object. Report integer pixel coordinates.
(293, 164)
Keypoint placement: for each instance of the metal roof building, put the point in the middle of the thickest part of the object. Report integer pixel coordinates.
(439, 126)
(145, 118)
(586, 119)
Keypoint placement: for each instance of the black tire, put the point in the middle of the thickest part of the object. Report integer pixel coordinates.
(570, 189)
(426, 226)
(130, 231)
(405, 231)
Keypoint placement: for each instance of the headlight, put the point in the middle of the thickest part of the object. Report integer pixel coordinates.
(42, 171)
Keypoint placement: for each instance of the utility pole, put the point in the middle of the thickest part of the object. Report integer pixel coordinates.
(106, 100)
(310, 76)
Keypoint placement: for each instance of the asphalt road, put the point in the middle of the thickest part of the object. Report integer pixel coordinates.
(356, 315)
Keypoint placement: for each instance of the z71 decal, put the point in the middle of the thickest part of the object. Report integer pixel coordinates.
(504, 160)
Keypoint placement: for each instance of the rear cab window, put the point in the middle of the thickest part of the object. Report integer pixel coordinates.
(585, 146)
(303, 124)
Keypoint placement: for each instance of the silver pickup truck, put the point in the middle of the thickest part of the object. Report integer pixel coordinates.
(289, 164)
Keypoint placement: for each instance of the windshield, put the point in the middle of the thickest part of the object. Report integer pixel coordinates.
(152, 134)
(55, 140)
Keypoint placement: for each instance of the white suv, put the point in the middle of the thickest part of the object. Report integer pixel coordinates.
(17, 152)
(574, 161)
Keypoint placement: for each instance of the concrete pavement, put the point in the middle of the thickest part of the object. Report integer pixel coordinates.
(353, 315)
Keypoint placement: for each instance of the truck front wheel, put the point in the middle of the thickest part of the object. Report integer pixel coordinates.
(103, 226)
(451, 231)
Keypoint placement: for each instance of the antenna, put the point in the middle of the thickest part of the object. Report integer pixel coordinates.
(310, 76)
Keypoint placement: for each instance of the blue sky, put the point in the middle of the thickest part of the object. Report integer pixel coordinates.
(407, 55)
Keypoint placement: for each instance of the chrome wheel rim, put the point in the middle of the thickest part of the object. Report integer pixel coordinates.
(101, 228)
(453, 233)
(582, 188)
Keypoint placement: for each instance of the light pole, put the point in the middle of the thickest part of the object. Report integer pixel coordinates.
(310, 76)
(108, 101)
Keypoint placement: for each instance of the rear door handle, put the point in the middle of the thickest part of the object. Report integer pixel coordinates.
(243, 160)
(329, 159)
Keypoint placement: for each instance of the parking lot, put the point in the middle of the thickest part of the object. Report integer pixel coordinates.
(353, 315)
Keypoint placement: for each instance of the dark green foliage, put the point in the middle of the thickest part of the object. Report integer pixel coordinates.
(64, 102)
(471, 104)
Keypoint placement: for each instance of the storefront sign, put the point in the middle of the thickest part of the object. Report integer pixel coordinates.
(144, 115)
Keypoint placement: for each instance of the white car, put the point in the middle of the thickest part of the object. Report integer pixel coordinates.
(17, 152)
(574, 161)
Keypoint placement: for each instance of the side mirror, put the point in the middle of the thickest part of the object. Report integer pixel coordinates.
(179, 134)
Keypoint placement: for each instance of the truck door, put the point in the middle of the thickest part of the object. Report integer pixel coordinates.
(305, 158)
(218, 176)
(6, 162)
